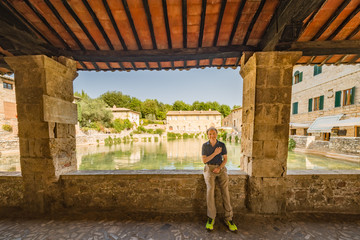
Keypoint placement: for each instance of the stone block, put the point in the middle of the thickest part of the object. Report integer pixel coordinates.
(284, 114)
(266, 113)
(267, 195)
(33, 129)
(270, 148)
(59, 87)
(29, 112)
(273, 77)
(30, 95)
(58, 110)
(268, 167)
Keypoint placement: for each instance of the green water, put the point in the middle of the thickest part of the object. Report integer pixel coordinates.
(184, 154)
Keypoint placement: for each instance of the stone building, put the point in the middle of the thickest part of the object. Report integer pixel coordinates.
(233, 119)
(326, 101)
(125, 113)
(8, 113)
(192, 121)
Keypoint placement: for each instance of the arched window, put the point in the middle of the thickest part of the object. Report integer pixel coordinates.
(297, 77)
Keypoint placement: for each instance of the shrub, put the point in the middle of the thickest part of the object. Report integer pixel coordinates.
(236, 138)
(151, 131)
(109, 141)
(149, 139)
(292, 144)
(178, 135)
(171, 135)
(159, 131)
(185, 135)
(7, 127)
(121, 124)
(156, 139)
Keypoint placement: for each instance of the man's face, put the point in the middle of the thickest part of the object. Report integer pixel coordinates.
(212, 134)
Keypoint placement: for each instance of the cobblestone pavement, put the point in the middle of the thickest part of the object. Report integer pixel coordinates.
(309, 226)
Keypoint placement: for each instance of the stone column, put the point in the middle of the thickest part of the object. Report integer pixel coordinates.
(46, 119)
(265, 131)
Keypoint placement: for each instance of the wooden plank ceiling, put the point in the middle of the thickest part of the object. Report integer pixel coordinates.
(130, 35)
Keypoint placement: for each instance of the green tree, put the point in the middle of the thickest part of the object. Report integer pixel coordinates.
(135, 104)
(181, 106)
(224, 110)
(116, 98)
(121, 124)
(149, 108)
(92, 111)
(236, 106)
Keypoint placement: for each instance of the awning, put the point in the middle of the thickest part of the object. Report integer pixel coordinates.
(324, 124)
(349, 122)
(299, 125)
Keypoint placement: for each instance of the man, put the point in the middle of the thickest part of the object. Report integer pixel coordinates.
(214, 156)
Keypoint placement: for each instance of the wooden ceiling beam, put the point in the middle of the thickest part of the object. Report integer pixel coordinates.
(331, 20)
(236, 22)
(80, 23)
(253, 21)
(18, 41)
(63, 23)
(20, 18)
(163, 68)
(167, 26)
(83, 64)
(353, 60)
(150, 24)
(325, 60)
(184, 19)
(342, 25)
(353, 33)
(202, 22)
(157, 55)
(287, 13)
(321, 48)
(46, 23)
(113, 22)
(218, 25)
(132, 24)
(98, 24)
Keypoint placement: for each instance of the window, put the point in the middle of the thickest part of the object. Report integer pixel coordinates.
(298, 77)
(316, 103)
(169, 118)
(295, 108)
(175, 118)
(234, 122)
(293, 132)
(326, 136)
(197, 118)
(207, 117)
(317, 70)
(319, 103)
(184, 118)
(310, 105)
(348, 96)
(7, 85)
(199, 128)
(184, 128)
(170, 128)
(177, 127)
(357, 131)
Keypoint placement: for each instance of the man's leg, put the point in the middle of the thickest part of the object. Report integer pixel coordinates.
(210, 192)
(224, 187)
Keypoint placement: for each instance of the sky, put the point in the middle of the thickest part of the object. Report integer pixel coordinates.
(209, 84)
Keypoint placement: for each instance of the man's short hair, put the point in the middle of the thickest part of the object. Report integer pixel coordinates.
(211, 128)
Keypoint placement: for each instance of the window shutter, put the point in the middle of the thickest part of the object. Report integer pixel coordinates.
(300, 77)
(310, 105)
(338, 99)
(319, 69)
(321, 104)
(352, 95)
(295, 108)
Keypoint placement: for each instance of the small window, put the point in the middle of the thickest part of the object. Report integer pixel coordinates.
(293, 132)
(7, 85)
(357, 131)
(317, 70)
(214, 117)
(175, 118)
(197, 118)
(207, 117)
(170, 128)
(169, 118)
(295, 108)
(326, 136)
(316, 103)
(348, 96)
(298, 77)
(184, 128)
(184, 118)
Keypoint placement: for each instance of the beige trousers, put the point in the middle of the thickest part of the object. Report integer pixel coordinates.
(223, 179)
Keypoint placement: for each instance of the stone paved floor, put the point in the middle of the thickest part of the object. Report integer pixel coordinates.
(309, 226)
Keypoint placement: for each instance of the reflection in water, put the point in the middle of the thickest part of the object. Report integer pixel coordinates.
(172, 154)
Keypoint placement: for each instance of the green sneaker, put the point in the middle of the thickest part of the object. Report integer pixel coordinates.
(210, 224)
(232, 227)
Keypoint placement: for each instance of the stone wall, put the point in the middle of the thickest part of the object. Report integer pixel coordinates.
(184, 191)
(12, 190)
(147, 191)
(7, 145)
(342, 145)
(337, 193)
